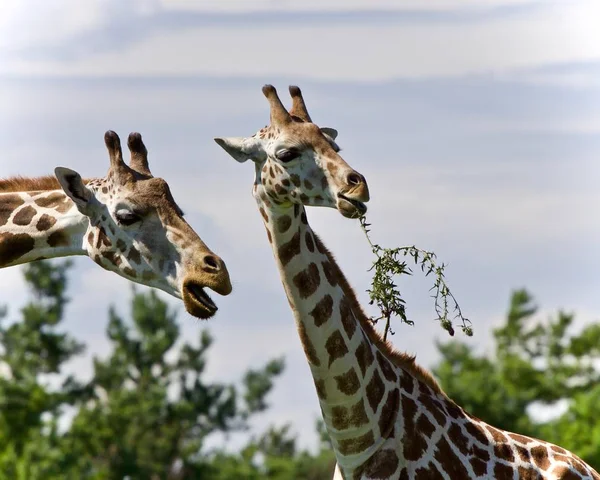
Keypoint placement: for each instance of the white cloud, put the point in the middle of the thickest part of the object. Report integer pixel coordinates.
(365, 51)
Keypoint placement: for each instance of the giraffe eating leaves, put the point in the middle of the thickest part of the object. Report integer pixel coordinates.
(386, 416)
(127, 222)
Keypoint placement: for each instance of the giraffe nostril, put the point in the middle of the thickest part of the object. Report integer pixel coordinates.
(354, 179)
(212, 262)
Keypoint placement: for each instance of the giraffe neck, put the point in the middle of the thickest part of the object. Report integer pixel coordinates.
(356, 384)
(39, 224)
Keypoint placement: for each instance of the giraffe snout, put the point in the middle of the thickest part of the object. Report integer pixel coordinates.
(357, 188)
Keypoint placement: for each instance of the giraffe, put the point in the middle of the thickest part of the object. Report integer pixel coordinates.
(386, 416)
(127, 222)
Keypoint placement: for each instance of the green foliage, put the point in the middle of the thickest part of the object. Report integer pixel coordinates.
(384, 293)
(535, 362)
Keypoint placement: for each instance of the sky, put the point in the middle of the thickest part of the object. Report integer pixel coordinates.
(476, 124)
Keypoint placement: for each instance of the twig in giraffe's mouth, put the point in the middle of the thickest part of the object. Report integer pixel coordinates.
(198, 293)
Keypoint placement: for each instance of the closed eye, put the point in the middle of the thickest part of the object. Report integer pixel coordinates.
(287, 154)
(126, 218)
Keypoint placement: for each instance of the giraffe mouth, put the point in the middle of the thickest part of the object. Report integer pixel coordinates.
(350, 208)
(199, 303)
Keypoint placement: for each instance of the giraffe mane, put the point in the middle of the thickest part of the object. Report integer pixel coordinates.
(401, 359)
(27, 184)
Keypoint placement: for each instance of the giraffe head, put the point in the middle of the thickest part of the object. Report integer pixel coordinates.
(298, 162)
(137, 230)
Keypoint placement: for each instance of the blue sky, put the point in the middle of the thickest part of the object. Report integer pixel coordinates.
(476, 124)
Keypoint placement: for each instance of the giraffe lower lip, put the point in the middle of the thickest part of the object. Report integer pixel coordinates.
(200, 296)
(351, 208)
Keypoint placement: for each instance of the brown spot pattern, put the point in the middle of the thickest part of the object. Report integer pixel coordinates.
(58, 239)
(310, 244)
(289, 250)
(375, 390)
(323, 310)
(347, 383)
(13, 246)
(347, 318)
(364, 356)
(381, 466)
(335, 346)
(329, 272)
(307, 281)
(345, 417)
(351, 446)
(45, 222)
(24, 216)
(309, 348)
(283, 223)
(449, 461)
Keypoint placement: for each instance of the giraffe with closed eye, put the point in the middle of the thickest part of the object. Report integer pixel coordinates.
(126, 222)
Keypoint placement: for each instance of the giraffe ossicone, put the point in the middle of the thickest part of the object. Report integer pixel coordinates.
(127, 222)
(386, 416)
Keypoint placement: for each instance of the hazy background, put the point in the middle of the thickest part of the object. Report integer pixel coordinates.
(476, 124)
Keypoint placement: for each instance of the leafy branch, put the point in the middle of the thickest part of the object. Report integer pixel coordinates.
(385, 295)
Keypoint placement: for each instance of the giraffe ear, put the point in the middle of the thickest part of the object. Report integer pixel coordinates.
(241, 148)
(73, 186)
(330, 132)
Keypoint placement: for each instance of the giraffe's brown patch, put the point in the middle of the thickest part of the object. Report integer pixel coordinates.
(459, 438)
(343, 418)
(532, 474)
(451, 463)
(45, 222)
(318, 199)
(309, 348)
(112, 258)
(579, 466)
(284, 223)
(381, 466)
(285, 182)
(375, 390)
(54, 200)
(307, 281)
(351, 446)
(322, 249)
(414, 444)
(523, 453)
(386, 368)
(328, 271)
(104, 190)
(321, 390)
(9, 204)
(58, 239)
(308, 184)
(134, 256)
(280, 189)
(269, 237)
(403, 474)
(303, 217)
(389, 412)
(425, 426)
(129, 272)
(503, 472)
(323, 310)
(557, 449)
(271, 172)
(304, 198)
(310, 244)
(479, 466)
(428, 473)
(497, 435)
(504, 451)
(14, 246)
(102, 239)
(364, 356)
(296, 210)
(519, 438)
(289, 250)
(407, 383)
(481, 453)
(295, 180)
(335, 346)
(324, 183)
(24, 216)
(347, 318)
(477, 433)
(333, 168)
(348, 383)
(264, 214)
(433, 407)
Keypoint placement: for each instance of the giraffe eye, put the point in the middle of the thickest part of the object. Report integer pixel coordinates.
(287, 154)
(125, 217)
